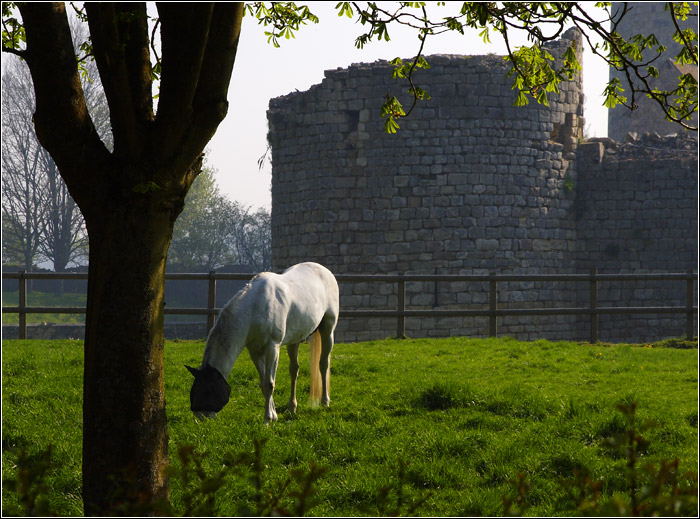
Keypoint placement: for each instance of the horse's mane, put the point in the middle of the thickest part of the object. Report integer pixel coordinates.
(232, 308)
(236, 299)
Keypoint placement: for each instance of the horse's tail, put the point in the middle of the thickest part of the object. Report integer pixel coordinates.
(315, 370)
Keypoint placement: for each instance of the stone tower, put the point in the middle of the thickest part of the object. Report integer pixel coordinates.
(470, 184)
(650, 18)
(473, 185)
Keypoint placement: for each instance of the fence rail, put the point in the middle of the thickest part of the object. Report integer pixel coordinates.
(593, 310)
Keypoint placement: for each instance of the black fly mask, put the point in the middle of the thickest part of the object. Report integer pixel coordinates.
(210, 391)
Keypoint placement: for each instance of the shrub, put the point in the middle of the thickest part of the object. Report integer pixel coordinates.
(650, 490)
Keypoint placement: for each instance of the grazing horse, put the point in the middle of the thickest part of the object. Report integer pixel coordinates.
(271, 310)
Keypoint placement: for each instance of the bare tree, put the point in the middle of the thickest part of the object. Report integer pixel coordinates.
(22, 202)
(40, 219)
(64, 239)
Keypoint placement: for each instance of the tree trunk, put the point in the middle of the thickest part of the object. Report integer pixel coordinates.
(129, 198)
(125, 450)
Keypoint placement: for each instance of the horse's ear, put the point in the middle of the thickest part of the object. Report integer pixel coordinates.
(192, 370)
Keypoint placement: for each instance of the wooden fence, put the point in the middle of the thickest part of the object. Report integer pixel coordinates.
(493, 312)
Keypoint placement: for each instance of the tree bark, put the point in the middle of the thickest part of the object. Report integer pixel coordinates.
(125, 450)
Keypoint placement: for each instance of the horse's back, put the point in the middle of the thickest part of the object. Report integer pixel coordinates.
(293, 304)
(313, 281)
(306, 273)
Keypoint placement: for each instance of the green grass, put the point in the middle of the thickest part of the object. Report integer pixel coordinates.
(466, 416)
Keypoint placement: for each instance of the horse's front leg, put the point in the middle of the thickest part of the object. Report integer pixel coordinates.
(267, 368)
(293, 351)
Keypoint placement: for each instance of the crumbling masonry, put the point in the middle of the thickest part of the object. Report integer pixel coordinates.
(473, 185)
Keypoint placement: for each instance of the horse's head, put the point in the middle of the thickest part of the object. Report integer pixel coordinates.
(210, 391)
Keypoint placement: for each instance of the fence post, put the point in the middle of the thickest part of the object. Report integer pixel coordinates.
(593, 303)
(211, 301)
(22, 303)
(689, 296)
(493, 305)
(401, 319)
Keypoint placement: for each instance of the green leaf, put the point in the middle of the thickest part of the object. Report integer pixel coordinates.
(613, 94)
(344, 8)
(145, 187)
(484, 35)
(422, 63)
(390, 125)
(285, 18)
(521, 99)
(419, 93)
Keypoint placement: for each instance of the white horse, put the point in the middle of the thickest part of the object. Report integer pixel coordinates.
(271, 310)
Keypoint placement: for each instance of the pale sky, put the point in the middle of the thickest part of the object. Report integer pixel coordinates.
(263, 72)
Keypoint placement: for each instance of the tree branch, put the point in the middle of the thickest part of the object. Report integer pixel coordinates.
(210, 104)
(180, 70)
(686, 43)
(134, 34)
(119, 34)
(617, 59)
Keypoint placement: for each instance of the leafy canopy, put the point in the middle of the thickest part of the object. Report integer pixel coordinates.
(534, 71)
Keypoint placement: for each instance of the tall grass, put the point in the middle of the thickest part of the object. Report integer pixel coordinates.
(431, 427)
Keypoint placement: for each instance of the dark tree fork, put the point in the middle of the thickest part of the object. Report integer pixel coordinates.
(130, 199)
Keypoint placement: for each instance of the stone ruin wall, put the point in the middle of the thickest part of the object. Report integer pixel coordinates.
(636, 211)
(469, 185)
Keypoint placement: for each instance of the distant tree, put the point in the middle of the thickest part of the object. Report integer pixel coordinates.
(253, 240)
(22, 174)
(41, 221)
(214, 231)
(63, 239)
(203, 232)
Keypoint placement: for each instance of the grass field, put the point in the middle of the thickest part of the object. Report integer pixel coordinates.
(449, 423)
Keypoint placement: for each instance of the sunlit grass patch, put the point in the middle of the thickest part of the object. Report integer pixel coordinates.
(450, 422)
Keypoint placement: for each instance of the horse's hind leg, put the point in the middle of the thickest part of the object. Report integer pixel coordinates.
(327, 346)
(293, 351)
